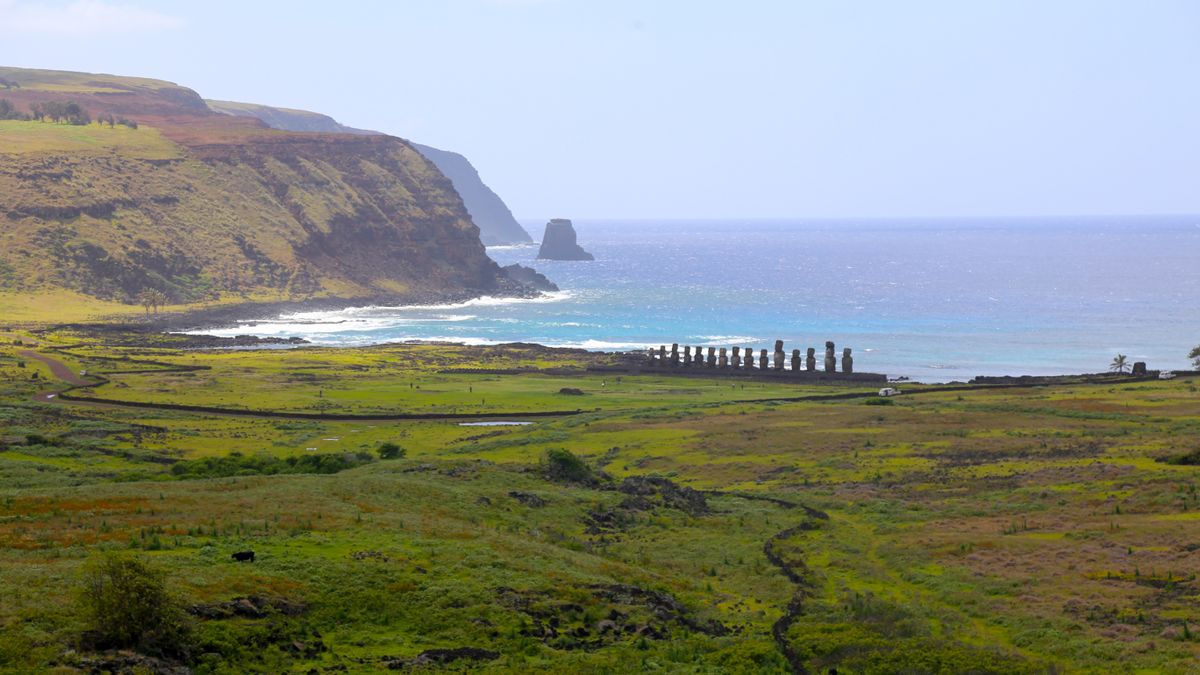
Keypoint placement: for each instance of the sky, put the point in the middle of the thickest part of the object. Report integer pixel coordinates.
(705, 109)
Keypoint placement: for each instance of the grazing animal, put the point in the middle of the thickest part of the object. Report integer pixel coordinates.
(244, 556)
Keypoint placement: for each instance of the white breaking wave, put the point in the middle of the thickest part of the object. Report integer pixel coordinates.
(368, 318)
(723, 340)
(600, 345)
(376, 310)
(512, 247)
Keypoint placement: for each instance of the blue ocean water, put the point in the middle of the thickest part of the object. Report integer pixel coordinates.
(933, 300)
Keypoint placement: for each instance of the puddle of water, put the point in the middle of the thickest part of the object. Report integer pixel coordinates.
(493, 424)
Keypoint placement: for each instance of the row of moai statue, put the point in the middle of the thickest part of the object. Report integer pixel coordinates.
(722, 358)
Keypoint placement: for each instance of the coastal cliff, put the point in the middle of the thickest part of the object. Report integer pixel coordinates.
(201, 205)
(559, 242)
(497, 226)
(491, 215)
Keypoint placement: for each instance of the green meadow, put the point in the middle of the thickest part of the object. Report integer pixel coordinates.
(672, 524)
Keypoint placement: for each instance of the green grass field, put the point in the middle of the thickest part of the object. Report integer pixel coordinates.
(17, 137)
(1016, 530)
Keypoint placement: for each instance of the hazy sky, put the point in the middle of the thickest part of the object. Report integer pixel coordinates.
(691, 108)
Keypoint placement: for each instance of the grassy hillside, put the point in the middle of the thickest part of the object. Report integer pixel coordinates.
(1045, 529)
(496, 223)
(202, 206)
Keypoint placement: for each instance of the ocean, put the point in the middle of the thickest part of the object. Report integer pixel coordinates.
(930, 299)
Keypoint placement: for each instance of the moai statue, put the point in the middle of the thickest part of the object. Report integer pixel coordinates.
(652, 353)
(830, 361)
(1139, 369)
(810, 361)
(699, 356)
(778, 355)
(675, 355)
(712, 357)
(662, 355)
(749, 364)
(847, 361)
(795, 361)
(687, 355)
(736, 359)
(763, 362)
(723, 359)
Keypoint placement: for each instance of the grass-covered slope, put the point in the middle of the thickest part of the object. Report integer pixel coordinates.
(200, 205)
(697, 529)
(493, 217)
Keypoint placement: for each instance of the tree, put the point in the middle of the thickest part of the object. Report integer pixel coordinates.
(126, 606)
(391, 451)
(1119, 363)
(8, 111)
(1194, 355)
(151, 298)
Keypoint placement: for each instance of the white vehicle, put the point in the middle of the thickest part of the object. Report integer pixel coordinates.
(1166, 375)
(889, 391)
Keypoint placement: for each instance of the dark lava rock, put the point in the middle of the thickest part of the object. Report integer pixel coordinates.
(441, 657)
(559, 243)
(529, 277)
(527, 498)
(691, 502)
(250, 607)
(128, 662)
(662, 605)
(570, 391)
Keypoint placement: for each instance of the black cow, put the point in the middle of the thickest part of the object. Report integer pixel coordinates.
(244, 556)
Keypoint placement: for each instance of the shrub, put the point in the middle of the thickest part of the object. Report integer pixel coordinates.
(1186, 459)
(879, 401)
(126, 606)
(391, 451)
(237, 464)
(563, 465)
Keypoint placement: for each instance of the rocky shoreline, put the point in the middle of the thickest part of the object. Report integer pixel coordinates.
(233, 315)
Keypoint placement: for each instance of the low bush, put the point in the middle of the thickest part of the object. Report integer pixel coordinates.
(391, 451)
(1185, 459)
(563, 466)
(126, 605)
(237, 464)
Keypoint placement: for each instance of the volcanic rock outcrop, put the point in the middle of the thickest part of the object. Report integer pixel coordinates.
(559, 242)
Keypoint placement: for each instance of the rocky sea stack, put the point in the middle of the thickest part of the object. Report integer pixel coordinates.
(558, 243)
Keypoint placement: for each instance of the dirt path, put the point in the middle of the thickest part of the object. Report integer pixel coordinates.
(57, 368)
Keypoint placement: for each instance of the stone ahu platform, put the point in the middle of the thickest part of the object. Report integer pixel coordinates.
(739, 362)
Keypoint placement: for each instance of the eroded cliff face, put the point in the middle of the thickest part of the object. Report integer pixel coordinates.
(199, 204)
(497, 226)
(495, 221)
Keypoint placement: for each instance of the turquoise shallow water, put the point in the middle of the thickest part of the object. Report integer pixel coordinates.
(930, 299)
